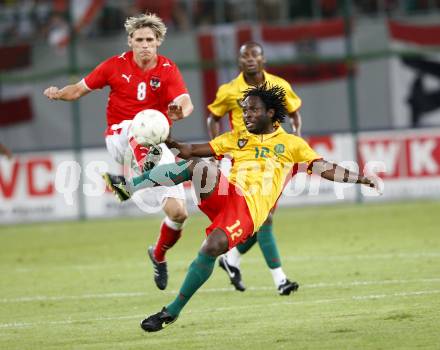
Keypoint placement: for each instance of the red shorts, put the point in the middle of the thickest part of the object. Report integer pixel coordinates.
(227, 209)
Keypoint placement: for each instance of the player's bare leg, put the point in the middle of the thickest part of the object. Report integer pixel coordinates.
(170, 232)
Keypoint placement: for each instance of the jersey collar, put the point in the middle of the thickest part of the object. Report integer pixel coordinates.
(265, 137)
(242, 82)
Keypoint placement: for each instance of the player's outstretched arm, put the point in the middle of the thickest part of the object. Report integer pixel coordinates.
(190, 150)
(296, 122)
(334, 172)
(68, 93)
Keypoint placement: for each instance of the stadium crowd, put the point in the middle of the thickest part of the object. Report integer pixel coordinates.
(29, 20)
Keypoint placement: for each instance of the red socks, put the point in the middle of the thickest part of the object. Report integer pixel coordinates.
(170, 233)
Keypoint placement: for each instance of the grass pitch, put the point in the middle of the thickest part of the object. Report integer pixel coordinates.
(369, 276)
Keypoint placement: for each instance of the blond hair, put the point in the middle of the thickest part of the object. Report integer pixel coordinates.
(146, 20)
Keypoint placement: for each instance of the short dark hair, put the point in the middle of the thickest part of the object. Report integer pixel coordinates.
(273, 97)
(251, 44)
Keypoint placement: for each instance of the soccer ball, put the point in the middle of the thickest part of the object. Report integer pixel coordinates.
(150, 127)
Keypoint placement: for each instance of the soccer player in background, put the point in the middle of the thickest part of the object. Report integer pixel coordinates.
(238, 206)
(251, 62)
(5, 151)
(141, 79)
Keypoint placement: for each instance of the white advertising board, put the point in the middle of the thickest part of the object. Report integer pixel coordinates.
(46, 186)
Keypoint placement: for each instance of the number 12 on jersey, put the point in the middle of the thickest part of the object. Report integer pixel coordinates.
(233, 230)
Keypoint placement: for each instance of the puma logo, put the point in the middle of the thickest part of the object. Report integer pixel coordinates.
(166, 65)
(127, 77)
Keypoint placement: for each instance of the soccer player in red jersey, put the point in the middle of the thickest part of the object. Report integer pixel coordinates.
(141, 79)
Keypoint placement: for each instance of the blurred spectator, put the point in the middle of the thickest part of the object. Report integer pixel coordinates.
(111, 20)
(23, 20)
(391, 6)
(25, 23)
(58, 30)
(300, 9)
(26, 20)
(416, 5)
(181, 18)
(231, 11)
(7, 23)
(368, 7)
(42, 14)
(162, 8)
(387, 7)
(328, 8)
(172, 12)
(203, 12)
(269, 10)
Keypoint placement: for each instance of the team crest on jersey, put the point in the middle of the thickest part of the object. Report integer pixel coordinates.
(242, 142)
(155, 83)
(279, 148)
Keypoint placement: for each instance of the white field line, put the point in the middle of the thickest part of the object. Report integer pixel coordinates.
(299, 258)
(18, 325)
(39, 298)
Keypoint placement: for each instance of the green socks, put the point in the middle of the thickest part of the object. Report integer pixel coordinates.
(268, 246)
(163, 175)
(198, 273)
(246, 245)
(267, 243)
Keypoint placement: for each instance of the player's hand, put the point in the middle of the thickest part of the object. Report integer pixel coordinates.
(373, 182)
(175, 111)
(51, 92)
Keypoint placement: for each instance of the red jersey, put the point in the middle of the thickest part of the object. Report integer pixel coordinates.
(132, 89)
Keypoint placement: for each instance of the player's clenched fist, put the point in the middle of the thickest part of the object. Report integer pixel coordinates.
(51, 92)
(175, 111)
